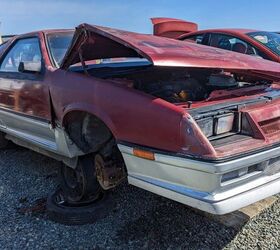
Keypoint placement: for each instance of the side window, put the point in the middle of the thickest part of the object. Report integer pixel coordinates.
(25, 50)
(232, 43)
(196, 39)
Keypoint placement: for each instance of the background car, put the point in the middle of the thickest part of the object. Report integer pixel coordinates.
(262, 44)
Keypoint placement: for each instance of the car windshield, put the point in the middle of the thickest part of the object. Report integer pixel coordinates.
(58, 44)
(269, 39)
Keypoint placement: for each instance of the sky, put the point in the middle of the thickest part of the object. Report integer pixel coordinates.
(18, 16)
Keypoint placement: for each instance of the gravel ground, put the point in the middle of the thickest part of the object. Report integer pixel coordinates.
(139, 220)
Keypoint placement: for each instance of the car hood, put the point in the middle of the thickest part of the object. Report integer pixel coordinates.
(95, 42)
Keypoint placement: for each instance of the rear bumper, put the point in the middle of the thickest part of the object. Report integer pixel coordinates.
(202, 184)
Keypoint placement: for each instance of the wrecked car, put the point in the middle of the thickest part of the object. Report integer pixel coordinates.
(258, 43)
(192, 123)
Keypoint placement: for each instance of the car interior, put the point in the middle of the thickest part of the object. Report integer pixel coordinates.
(226, 42)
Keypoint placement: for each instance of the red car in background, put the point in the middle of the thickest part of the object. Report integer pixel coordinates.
(262, 44)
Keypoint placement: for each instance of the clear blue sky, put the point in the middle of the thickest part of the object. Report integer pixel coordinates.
(18, 16)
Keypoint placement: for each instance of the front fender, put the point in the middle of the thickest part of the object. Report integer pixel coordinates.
(91, 109)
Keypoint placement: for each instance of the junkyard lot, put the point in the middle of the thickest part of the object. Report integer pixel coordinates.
(140, 219)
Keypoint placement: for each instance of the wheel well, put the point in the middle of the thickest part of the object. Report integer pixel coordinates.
(87, 131)
(92, 135)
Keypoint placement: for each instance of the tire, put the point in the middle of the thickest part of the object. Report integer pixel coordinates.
(80, 184)
(60, 211)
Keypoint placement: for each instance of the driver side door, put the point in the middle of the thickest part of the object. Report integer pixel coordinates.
(25, 110)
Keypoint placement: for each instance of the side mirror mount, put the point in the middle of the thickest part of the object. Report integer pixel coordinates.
(30, 67)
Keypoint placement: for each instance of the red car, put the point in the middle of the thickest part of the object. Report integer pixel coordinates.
(257, 43)
(192, 123)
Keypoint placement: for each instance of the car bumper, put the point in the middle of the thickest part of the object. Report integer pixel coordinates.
(217, 188)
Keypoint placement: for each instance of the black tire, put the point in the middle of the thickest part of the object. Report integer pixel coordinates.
(80, 185)
(64, 213)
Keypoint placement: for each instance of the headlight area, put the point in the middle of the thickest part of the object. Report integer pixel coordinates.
(215, 126)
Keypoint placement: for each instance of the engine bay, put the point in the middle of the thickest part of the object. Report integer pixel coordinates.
(193, 86)
(176, 85)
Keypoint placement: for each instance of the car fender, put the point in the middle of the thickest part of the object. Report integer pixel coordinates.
(91, 109)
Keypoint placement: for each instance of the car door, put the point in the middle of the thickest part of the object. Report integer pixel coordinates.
(25, 110)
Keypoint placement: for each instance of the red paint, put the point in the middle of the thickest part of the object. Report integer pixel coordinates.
(131, 115)
(241, 34)
(160, 51)
(173, 25)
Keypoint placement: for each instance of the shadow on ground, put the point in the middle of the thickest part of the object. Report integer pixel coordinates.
(163, 224)
(139, 220)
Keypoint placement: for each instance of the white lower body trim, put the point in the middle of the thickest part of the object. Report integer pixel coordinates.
(218, 207)
(199, 184)
(38, 133)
